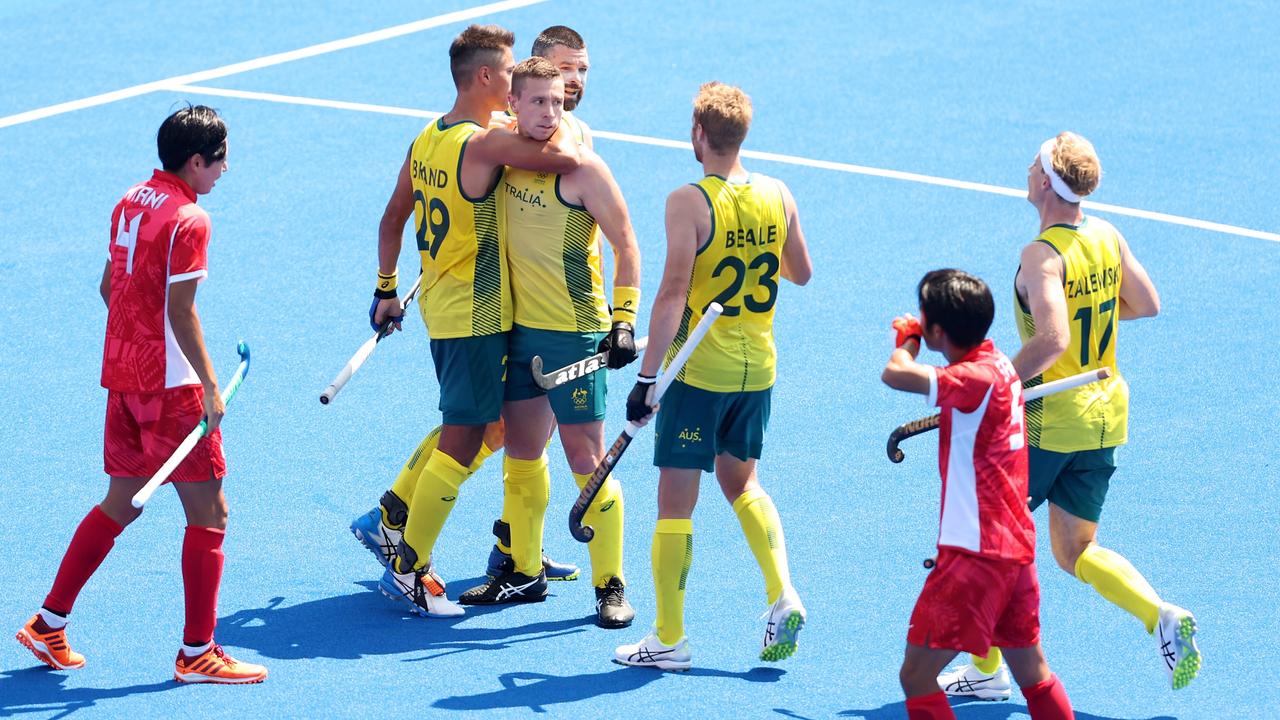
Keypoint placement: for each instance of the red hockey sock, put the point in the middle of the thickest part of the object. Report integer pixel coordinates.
(1048, 700)
(201, 574)
(89, 547)
(930, 707)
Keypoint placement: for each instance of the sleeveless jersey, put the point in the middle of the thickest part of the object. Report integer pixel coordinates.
(465, 290)
(557, 273)
(737, 266)
(1096, 415)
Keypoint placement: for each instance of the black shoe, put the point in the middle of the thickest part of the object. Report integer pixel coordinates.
(509, 587)
(612, 608)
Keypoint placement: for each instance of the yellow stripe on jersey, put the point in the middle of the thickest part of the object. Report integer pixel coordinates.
(557, 273)
(737, 267)
(1096, 415)
(465, 289)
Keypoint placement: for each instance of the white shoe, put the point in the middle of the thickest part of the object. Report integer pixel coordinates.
(421, 591)
(650, 652)
(783, 622)
(1176, 633)
(970, 682)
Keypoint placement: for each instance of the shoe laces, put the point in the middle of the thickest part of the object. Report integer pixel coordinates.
(222, 655)
(612, 594)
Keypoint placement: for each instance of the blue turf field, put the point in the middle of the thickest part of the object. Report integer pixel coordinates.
(1181, 102)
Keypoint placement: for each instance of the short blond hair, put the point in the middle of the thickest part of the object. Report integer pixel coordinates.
(724, 112)
(1076, 162)
(535, 67)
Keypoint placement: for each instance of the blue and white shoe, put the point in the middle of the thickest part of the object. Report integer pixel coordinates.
(376, 537)
(500, 562)
(421, 591)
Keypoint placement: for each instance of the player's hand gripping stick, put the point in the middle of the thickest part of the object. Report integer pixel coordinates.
(583, 533)
(923, 425)
(365, 350)
(184, 448)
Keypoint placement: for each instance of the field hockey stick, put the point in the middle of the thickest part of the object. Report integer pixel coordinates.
(141, 497)
(573, 371)
(365, 350)
(923, 425)
(584, 533)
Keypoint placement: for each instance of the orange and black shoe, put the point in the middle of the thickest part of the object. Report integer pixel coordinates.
(49, 645)
(215, 666)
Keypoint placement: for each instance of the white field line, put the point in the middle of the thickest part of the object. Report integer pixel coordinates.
(754, 154)
(267, 61)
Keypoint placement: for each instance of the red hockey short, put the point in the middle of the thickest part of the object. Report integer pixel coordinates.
(143, 430)
(971, 603)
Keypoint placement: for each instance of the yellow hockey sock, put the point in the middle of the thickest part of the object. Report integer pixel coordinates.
(604, 516)
(990, 664)
(763, 528)
(481, 455)
(407, 481)
(671, 557)
(526, 489)
(1120, 583)
(433, 500)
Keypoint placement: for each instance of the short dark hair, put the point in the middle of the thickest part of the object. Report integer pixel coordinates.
(534, 67)
(477, 45)
(961, 303)
(557, 35)
(192, 130)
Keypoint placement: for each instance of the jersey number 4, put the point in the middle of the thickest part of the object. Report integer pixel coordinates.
(738, 269)
(127, 237)
(439, 228)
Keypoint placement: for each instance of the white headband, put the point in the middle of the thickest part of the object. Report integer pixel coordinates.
(1046, 162)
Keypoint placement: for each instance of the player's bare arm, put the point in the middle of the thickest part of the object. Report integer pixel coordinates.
(1039, 284)
(104, 286)
(190, 337)
(390, 233)
(1138, 296)
(688, 222)
(601, 196)
(796, 265)
(902, 372)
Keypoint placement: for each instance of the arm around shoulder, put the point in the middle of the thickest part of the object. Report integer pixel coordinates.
(498, 147)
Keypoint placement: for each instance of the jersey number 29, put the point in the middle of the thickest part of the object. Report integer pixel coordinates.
(439, 229)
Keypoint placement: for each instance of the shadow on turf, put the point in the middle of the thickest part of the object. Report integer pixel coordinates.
(537, 690)
(348, 627)
(964, 711)
(39, 690)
